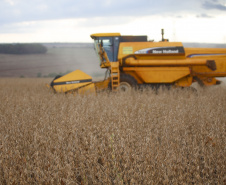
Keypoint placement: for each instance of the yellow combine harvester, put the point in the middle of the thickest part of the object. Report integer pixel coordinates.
(133, 61)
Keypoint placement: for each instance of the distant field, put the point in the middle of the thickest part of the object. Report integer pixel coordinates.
(173, 137)
(57, 60)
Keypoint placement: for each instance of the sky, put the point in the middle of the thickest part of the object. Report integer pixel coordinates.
(202, 21)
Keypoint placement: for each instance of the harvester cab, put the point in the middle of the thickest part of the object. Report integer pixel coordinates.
(110, 45)
(133, 61)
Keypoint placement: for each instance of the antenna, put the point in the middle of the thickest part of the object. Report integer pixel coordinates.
(164, 40)
(162, 34)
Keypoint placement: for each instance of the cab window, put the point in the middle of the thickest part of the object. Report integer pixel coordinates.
(108, 47)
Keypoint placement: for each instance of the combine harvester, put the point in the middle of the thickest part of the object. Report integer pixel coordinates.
(133, 61)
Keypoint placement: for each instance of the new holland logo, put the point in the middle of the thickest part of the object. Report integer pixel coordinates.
(165, 51)
(73, 82)
(162, 50)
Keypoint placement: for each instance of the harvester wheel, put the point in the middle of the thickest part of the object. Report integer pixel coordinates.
(124, 86)
(127, 82)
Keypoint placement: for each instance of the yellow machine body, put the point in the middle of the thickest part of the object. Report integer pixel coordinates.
(135, 61)
(163, 62)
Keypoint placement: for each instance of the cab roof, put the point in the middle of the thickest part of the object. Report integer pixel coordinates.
(104, 35)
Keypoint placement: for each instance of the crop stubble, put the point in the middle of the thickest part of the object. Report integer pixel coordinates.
(173, 137)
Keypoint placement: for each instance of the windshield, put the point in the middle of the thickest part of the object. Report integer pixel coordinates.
(97, 49)
(107, 45)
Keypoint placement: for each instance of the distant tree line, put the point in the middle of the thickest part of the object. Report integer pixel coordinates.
(22, 49)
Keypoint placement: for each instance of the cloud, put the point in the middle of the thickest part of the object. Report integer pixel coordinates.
(24, 10)
(104, 21)
(203, 15)
(47, 17)
(217, 6)
(11, 2)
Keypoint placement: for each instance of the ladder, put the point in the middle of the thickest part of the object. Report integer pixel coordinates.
(115, 75)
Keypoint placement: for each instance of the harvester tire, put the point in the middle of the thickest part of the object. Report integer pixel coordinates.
(127, 82)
